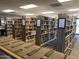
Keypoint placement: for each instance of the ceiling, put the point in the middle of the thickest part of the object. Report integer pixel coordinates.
(43, 5)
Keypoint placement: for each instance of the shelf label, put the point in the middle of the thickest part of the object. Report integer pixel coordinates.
(13, 22)
(23, 22)
(38, 22)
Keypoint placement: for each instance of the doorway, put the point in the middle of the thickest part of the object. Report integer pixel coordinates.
(77, 26)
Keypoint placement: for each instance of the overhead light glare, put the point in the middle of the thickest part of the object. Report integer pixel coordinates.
(77, 9)
(29, 14)
(64, 0)
(8, 10)
(48, 12)
(29, 6)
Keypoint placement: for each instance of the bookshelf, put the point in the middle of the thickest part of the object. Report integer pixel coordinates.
(18, 28)
(9, 26)
(30, 28)
(66, 35)
(24, 28)
(70, 35)
(45, 31)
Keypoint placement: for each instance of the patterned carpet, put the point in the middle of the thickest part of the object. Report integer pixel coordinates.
(75, 50)
(29, 50)
(4, 55)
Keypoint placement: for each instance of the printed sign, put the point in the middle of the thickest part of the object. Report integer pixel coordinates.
(61, 23)
(38, 22)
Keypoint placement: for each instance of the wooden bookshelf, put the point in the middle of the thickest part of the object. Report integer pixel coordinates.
(18, 28)
(24, 28)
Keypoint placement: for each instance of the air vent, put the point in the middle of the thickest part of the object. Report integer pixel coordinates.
(13, 12)
(56, 5)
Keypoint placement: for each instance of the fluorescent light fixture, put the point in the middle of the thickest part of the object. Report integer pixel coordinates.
(48, 12)
(64, 0)
(28, 6)
(77, 9)
(8, 10)
(29, 14)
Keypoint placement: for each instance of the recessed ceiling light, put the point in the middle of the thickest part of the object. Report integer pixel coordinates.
(64, 0)
(29, 14)
(28, 6)
(77, 9)
(8, 10)
(48, 12)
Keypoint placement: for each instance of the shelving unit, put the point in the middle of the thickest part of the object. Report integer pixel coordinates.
(9, 26)
(65, 36)
(70, 34)
(45, 31)
(52, 29)
(18, 28)
(30, 28)
(24, 28)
